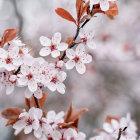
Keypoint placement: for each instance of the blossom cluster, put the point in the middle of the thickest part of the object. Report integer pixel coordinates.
(19, 68)
(111, 129)
(47, 127)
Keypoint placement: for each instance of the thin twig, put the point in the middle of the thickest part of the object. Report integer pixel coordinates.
(36, 101)
(76, 35)
(120, 133)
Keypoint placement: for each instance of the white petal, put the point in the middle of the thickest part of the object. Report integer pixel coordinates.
(38, 113)
(86, 58)
(13, 51)
(80, 67)
(55, 53)
(60, 63)
(70, 64)
(23, 81)
(51, 115)
(94, 1)
(52, 86)
(45, 51)
(35, 124)
(70, 53)
(61, 76)
(9, 67)
(80, 50)
(3, 53)
(38, 93)
(115, 124)
(35, 68)
(28, 59)
(62, 46)
(104, 4)
(19, 124)
(45, 41)
(25, 70)
(28, 129)
(91, 44)
(56, 38)
(56, 135)
(107, 127)
(38, 133)
(18, 61)
(28, 93)
(61, 87)
(32, 85)
(9, 89)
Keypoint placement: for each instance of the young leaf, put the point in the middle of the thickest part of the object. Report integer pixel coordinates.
(11, 113)
(42, 100)
(27, 102)
(113, 10)
(73, 115)
(109, 118)
(8, 35)
(65, 14)
(85, 9)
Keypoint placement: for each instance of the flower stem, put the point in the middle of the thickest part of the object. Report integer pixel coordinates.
(36, 101)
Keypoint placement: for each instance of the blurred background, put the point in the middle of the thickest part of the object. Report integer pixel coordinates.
(111, 84)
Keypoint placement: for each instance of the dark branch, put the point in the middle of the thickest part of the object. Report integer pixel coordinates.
(120, 133)
(36, 101)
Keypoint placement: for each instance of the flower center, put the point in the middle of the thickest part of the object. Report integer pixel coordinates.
(8, 60)
(29, 121)
(84, 40)
(30, 76)
(76, 59)
(53, 47)
(20, 51)
(54, 79)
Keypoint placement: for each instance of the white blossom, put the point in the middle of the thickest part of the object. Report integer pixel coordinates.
(28, 121)
(87, 38)
(53, 46)
(78, 59)
(104, 4)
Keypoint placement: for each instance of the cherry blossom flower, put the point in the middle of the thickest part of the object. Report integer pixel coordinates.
(78, 59)
(72, 134)
(104, 4)
(131, 130)
(7, 81)
(29, 76)
(56, 82)
(87, 38)
(7, 58)
(53, 46)
(111, 127)
(53, 119)
(28, 121)
(37, 93)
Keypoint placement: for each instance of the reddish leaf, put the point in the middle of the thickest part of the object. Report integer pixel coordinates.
(8, 35)
(42, 100)
(109, 118)
(65, 14)
(65, 125)
(11, 113)
(113, 10)
(27, 102)
(33, 102)
(74, 115)
(12, 121)
(69, 40)
(85, 9)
